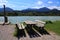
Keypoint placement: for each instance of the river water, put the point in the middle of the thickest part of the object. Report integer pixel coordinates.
(17, 19)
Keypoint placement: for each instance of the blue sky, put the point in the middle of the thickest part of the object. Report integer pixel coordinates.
(24, 4)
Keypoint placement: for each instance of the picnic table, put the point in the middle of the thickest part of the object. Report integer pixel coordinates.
(30, 24)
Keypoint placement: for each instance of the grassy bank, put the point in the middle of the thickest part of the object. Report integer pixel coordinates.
(54, 27)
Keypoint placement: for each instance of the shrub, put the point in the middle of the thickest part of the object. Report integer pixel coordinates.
(47, 22)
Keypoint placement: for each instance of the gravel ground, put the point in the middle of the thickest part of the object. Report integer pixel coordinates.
(6, 33)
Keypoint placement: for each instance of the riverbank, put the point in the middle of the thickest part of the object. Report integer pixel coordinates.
(54, 27)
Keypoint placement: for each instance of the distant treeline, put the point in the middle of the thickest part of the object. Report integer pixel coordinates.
(32, 13)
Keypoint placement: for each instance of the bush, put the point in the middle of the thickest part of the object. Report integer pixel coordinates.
(47, 22)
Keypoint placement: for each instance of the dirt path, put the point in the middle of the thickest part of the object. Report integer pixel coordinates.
(6, 33)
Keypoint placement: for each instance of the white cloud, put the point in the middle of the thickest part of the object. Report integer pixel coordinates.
(52, 7)
(39, 2)
(3, 2)
(7, 3)
(37, 7)
(50, 2)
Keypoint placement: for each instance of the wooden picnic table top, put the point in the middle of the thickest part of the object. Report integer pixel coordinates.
(34, 22)
(37, 23)
(42, 22)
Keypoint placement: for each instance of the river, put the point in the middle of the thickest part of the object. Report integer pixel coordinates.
(17, 19)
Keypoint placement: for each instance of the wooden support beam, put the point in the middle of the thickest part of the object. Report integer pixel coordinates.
(5, 17)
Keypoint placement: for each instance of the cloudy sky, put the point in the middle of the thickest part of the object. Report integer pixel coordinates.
(23, 4)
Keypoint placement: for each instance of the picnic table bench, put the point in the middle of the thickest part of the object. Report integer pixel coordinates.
(21, 26)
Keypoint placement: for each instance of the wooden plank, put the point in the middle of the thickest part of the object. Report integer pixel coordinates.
(23, 27)
(30, 22)
(40, 25)
(42, 22)
(19, 26)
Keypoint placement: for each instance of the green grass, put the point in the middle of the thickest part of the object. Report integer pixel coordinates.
(54, 27)
(16, 32)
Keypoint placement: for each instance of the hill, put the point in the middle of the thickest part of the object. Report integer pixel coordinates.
(44, 9)
(7, 9)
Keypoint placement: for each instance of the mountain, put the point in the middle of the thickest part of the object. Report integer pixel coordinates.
(6, 9)
(54, 9)
(44, 9)
(29, 10)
